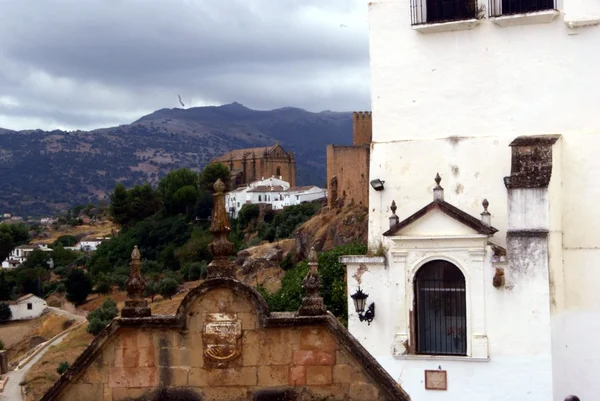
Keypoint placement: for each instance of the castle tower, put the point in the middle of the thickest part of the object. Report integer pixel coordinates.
(362, 127)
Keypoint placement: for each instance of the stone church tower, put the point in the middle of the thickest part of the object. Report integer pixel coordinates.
(252, 164)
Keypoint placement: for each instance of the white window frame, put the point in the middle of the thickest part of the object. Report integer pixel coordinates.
(468, 254)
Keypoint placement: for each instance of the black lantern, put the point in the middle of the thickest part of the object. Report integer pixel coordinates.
(377, 184)
(360, 300)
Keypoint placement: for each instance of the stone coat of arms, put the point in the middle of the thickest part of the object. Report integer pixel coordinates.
(221, 335)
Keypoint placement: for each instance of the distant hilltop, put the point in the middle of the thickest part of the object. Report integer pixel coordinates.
(45, 172)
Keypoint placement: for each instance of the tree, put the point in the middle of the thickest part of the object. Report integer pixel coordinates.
(119, 204)
(99, 318)
(79, 286)
(143, 202)
(171, 184)
(197, 270)
(151, 290)
(37, 258)
(212, 173)
(168, 287)
(5, 313)
(66, 240)
(185, 198)
(6, 245)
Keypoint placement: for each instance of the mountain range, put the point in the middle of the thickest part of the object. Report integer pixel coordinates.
(45, 172)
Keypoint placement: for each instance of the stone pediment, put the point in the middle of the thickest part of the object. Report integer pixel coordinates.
(224, 344)
(440, 219)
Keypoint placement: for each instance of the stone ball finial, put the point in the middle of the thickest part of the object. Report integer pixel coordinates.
(438, 179)
(135, 254)
(219, 186)
(485, 205)
(312, 255)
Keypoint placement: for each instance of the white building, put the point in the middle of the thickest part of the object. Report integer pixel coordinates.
(272, 191)
(90, 244)
(20, 253)
(478, 100)
(27, 307)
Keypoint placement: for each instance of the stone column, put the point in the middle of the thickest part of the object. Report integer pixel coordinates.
(136, 305)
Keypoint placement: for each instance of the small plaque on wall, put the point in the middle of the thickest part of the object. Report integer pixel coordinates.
(436, 380)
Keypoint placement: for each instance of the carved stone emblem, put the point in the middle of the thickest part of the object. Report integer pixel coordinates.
(221, 335)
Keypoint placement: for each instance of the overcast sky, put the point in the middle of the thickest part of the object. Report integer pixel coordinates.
(81, 64)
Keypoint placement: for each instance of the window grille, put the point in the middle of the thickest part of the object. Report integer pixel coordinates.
(432, 11)
(507, 7)
(441, 312)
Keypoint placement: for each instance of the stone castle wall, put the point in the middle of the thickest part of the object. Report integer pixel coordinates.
(348, 166)
(348, 174)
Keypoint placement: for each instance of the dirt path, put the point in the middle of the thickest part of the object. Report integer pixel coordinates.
(66, 313)
(12, 391)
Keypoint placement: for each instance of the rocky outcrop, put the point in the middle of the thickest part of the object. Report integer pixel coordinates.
(332, 227)
(261, 264)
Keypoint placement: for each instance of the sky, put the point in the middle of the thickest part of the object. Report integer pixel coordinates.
(83, 64)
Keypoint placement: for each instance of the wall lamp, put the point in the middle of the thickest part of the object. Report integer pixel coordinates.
(377, 184)
(360, 299)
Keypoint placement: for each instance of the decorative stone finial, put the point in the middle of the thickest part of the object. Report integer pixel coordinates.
(486, 217)
(312, 303)
(221, 248)
(438, 191)
(136, 305)
(393, 218)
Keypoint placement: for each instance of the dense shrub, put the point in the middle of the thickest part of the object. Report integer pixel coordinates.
(333, 283)
(99, 318)
(5, 313)
(62, 367)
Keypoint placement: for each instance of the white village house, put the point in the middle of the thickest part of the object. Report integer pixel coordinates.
(27, 307)
(90, 244)
(271, 191)
(20, 253)
(503, 104)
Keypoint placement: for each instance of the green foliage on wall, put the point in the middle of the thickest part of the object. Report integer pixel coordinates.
(333, 283)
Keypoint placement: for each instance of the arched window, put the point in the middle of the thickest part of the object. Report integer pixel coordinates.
(278, 172)
(259, 198)
(441, 310)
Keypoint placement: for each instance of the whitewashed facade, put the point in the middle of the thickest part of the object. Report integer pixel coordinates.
(20, 253)
(271, 191)
(27, 307)
(90, 244)
(458, 98)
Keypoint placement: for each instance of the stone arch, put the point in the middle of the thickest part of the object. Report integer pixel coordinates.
(260, 305)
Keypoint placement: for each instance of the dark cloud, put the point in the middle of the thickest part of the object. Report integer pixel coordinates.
(79, 64)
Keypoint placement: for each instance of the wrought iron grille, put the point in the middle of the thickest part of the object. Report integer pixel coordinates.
(431, 11)
(441, 312)
(507, 7)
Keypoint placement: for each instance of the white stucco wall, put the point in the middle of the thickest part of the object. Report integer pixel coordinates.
(451, 103)
(20, 310)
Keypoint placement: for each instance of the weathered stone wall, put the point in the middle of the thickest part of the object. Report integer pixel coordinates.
(303, 363)
(266, 167)
(350, 167)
